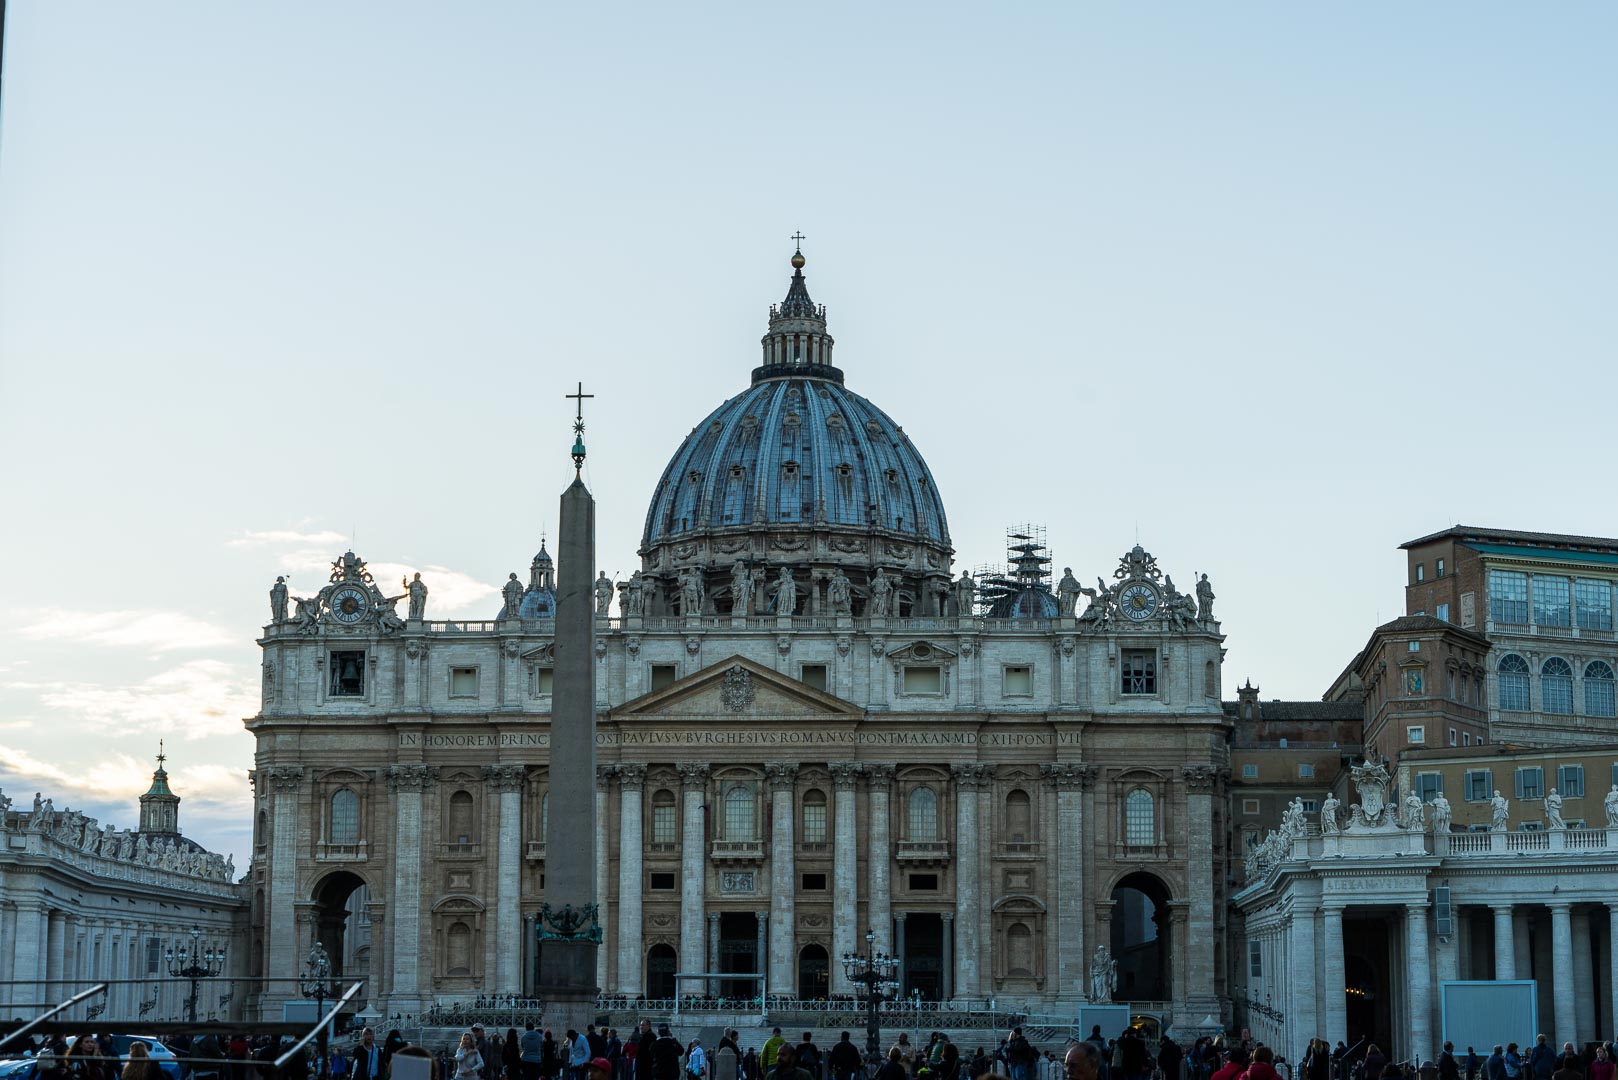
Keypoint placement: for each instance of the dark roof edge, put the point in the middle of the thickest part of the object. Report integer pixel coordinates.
(1475, 532)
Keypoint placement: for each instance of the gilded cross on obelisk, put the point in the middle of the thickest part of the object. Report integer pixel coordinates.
(578, 427)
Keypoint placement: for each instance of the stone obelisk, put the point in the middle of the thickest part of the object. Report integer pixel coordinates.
(569, 927)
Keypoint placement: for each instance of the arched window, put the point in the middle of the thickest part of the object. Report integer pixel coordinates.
(1556, 685)
(924, 815)
(1019, 817)
(1210, 680)
(739, 815)
(665, 825)
(459, 960)
(261, 829)
(1598, 696)
(345, 817)
(460, 818)
(1514, 683)
(814, 816)
(1140, 828)
(1019, 949)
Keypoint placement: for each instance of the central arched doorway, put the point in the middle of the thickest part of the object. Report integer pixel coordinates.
(341, 922)
(814, 973)
(661, 965)
(1140, 938)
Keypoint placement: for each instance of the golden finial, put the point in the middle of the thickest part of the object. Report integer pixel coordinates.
(797, 256)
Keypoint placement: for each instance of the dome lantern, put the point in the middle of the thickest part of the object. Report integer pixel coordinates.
(797, 345)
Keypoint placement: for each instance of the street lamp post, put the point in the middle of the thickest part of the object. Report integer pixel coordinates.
(315, 982)
(194, 962)
(874, 976)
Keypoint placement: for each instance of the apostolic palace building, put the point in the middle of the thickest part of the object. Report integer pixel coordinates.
(811, 723)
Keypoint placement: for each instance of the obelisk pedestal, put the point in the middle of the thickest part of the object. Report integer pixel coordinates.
(569, 926)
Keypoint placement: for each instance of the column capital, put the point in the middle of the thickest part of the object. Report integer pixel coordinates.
(1500, 909)
(412, 777)
(1333, 908)
(762, 916)
(899, 916)
(713, 918)
(1068, 776)
(879, 776)
(631, 775)
(1200, 779)
(948, 917)
(693, 774)
(1560, 907)
(844, 774)
(604, 775)
(780, 774)
(282, 778)
(505, 777)
(972, 775)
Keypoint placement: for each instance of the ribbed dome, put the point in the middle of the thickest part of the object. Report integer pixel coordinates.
(797, 451)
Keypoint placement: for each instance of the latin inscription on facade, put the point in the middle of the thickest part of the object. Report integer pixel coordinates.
(721, 737)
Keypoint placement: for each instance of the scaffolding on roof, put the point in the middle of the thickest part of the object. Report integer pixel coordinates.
(1005, 589)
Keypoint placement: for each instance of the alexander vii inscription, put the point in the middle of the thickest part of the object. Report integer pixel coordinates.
(721, 736)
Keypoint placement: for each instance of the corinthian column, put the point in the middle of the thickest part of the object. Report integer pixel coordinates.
(693, 866)
(783, 908)
(845, 873)
(408, 783)
(1334, 978)
(1200, 781)
(604, 775)
(507, 782)
(631, 784)
(969, 781)
(1069, 781)
(286, 783)
(878, 858)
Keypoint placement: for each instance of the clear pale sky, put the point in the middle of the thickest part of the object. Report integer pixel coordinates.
(1273, 287)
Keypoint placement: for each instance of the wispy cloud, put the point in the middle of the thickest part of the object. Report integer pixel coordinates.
(197, 698)
(160, 630)
(259, 538)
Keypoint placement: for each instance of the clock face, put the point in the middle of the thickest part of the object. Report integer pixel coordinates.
(349, 604)
(1138, 601)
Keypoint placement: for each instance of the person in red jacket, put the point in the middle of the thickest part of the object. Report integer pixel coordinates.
(1263, 1067)
(1235, 1064)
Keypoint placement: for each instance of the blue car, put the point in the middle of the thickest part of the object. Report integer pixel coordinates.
(17, 1069)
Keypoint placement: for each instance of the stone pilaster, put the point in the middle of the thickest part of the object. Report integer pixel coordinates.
(27, 947)
(783, 908)
(1562, 973)
(1300, 1007)
(409, 784)
(970, 779)
(947, 968)
(609, 938)
(693, 866)
(1200, 783)
(1069, 780)
(507, 782)
(879, 858)
(1419, 977)
(845, 873)
(55, 951)
(280, 954)
(712, 962)
(1505, 949)
(1584, 996)
(761, 947)
(631, 916)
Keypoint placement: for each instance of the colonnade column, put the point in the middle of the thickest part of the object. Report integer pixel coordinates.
(409, 783)
(609, 936)
(712, 961)
(845, 930)
(783, 909)
(1584, 982)
(507, 781)
(1334, 977)
(1505, 950)
(1562, 972)
(1300, 1010)
(1419, 975)
(693, 865)
(761, 947)
(631, 784)
(1612, 967)
(1200, 781)
(27, 950)
(879, 903)
(1069, 783)
(899, 950)
(947, 968)
(285, 783)
(969, 781)
(8, 938)
(55, 947)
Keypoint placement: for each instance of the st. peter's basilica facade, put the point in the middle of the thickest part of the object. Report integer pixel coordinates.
(810, 725)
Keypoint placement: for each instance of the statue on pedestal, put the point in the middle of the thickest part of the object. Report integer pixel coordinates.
(511, 592)
(634, 599)
(308, 613)
(741, 589)
(1442, 814)
(418, 597)
(1415, 815)
(838, 591)
(278, 601)
(1205, 599)
(965, 590)
(1103, 975)
(603, 593)
(1067, 593)
(1553, 811)
(690, 592)
(1610, 803)
(1498, 809)
(881, 595)
(1328, 815)
(786, 592)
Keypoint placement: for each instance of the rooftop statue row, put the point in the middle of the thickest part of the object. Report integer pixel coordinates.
(77, 832)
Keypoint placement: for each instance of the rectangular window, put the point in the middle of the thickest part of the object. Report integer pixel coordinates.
(814, 677)
(1311, 806)
(1306, 771)
(1139, 671)
(1466, 738)
(1441, 568)
(663, 676)
(1429, 785)
(1018, 682)
(1531, 826)
(463, 682)
(1416, 733)
(1615, 773)
(154, 954)
(1570, 781)
(348, 673)
(1414, 646)
(1249, 806)
(540, 681)
(1443, 612)
(1594, 602)
(664, 827)
(814, 823)
(1249, 772)
(1452, 737)
(923, 882)
(1531, 782)
(661, 881)
(1421, 571)
(1255, 959)
(1479, 785)
(923, 680)
(814, 883)
(1508, 596)
(1551, 601)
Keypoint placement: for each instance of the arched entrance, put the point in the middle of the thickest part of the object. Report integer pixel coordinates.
(814, 973)
(661, 964)
(339, 910)
(1140, 938)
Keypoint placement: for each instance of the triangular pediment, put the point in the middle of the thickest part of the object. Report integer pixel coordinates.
(737, 688)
